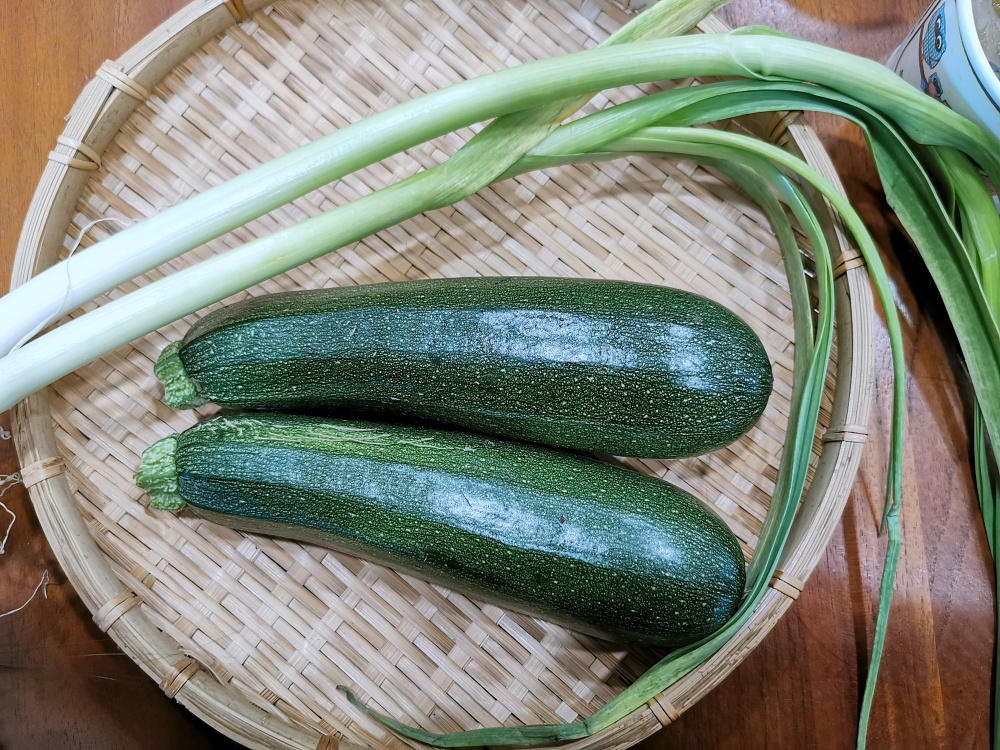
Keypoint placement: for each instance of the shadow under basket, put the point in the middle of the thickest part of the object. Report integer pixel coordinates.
(253, 634)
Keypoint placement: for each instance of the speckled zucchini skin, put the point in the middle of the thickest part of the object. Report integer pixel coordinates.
(595, 547)
(607, 366)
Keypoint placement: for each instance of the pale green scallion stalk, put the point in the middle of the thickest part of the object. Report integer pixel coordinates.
(525, 96)
(791, 505)
(525, 86)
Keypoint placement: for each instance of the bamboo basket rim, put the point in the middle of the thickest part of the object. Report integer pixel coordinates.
(102, 108)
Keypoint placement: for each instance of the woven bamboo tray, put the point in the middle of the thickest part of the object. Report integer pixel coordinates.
(253, 634)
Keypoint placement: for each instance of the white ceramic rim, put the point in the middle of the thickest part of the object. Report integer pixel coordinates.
(974, 52)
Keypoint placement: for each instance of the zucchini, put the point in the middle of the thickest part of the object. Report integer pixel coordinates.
(595, 547)
(607, 366)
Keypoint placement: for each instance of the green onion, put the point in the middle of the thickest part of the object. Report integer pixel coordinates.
(176, 230)
(75, 343)
(523, 93)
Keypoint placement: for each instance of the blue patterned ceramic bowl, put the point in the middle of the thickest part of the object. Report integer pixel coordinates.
(943, 56)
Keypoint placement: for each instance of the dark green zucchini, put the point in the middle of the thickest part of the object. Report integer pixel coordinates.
(595, 547)
(613, 367)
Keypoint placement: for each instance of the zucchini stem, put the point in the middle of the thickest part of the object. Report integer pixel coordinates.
(157, 475)
(179, 390)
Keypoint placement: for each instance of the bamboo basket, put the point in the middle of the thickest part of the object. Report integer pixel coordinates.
(253, 634)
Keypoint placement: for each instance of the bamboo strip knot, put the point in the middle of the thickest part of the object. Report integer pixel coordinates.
(777, 128)
(787, 584)
(663, 709)
(44, 468)
(143, 576)
(90, 164)
(113, 74)
(848, 433)
(238, 9)
(218, 669)
(114, 608)
(847, 260)
(328, 742)
(178, 676)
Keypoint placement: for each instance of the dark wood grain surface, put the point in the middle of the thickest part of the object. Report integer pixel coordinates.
(64, 684)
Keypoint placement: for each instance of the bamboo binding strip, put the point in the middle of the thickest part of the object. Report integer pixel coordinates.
(42, 469)
(253, 634)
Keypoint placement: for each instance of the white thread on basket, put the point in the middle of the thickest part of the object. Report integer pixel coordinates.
(69, 282)
(6, 482)
(45, 595)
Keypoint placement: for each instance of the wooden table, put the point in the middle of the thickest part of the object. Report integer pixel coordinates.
(64, 684)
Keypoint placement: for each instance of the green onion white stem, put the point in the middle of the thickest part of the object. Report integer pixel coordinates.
(115, 323)
(54, 354)
(49, 295)
(199, 219)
